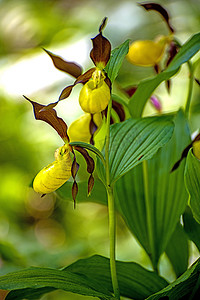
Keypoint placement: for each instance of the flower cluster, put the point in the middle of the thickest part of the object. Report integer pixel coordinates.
(94, 98)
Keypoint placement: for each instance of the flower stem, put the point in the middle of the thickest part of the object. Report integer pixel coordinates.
(189, 96)
(111, 209)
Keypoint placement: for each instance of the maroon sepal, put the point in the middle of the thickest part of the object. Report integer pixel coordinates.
(161, 10)
(50, 116)
(70, 68)
(119, 110)
(90, 184)
(197, 81)
(100, 53)
(90, 166)
(74, 192)
(93, 128)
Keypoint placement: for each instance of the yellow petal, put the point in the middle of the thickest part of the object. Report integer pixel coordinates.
(79, 130)
(196, 149)
(94, 98)
(55, 174)
(147, 53)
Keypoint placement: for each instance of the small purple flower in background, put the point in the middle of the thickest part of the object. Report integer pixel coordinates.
(156, 103)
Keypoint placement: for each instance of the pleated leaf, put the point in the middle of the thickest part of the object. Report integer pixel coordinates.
(116, 59)
(146, 87)
(192, 180)
(151, 199)
(135, 282)
(178, 251)
(191, 227)
(90, 276)
(187, 286)
(45, 279)
(136, 140)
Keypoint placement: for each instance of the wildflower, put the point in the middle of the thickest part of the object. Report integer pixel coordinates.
(86, 123)
(95, 94)
(156, 103)
(55, 174)
(147, 53)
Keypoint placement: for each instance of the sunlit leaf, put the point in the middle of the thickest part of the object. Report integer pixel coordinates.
(116, 59)
(151, 199)
(177, 250)
(192, 181)
(185, 287)
(147, 86)
(160, 9)
(50, 116)
(136, 140)
(68, 67)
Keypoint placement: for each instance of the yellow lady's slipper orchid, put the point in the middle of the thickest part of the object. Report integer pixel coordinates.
(196, 149)
(55, 174)
(95, 94)
(79, 130)
(147, 53)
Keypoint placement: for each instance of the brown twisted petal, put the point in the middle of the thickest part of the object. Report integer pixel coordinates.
(50, 116)
(160, 9)
(74, 192)
(70, 68)
(89, 160)
(90, 184)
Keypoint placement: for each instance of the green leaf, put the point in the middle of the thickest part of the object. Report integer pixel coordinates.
(185, 286)
(192, 181)
(42, 278)
(151, 199)
(135, 140)
(146, 87)
(135, 282)
(115, 62)
(90, 276)
(191, 227)
(177, 250)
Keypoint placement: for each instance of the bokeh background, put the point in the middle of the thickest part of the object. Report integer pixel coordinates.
(48, 231)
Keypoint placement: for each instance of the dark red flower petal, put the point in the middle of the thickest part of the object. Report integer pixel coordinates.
(50, 116)
(71, 68)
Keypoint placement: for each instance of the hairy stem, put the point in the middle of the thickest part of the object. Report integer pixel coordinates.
(111, 209)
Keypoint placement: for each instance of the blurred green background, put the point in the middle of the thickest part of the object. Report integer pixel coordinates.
(48, 231)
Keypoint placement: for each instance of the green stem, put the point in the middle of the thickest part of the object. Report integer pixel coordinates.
(111, 209)
(190, 88)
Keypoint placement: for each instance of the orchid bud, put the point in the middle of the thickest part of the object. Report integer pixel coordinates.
(55, 174)
(95, 94)
(196, 149)
(147, 53)
(79, 130)
(156, 103)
